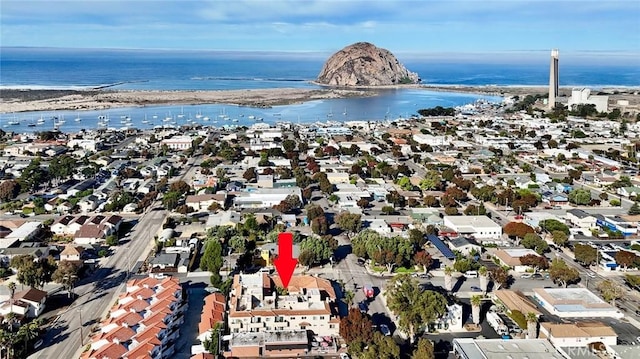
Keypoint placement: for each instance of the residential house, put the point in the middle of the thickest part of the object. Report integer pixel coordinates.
(464, 246)
(578, 334)
(379, 225)
(265, 197)
(556, 198)
(223, 218)
(91, 234)
(202, 202)
(581, 219)
(88, 204)
(480, 227)
(511, 257)
(71, 253)
(29, 303)
(629, 192)
(169, 263)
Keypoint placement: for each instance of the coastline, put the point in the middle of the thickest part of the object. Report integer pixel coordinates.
(33, 100)
(25, 100)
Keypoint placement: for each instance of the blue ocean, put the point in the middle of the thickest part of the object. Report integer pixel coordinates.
(42, 68)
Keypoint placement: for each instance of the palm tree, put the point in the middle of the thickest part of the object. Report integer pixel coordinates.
(476, 300)
(484, 276)
(532, 325)
(12, 289)
(28, 332)
(448, 280)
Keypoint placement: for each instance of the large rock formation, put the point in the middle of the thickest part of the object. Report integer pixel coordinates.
(364, 64)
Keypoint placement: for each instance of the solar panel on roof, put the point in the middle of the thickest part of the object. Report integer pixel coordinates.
(446, 251)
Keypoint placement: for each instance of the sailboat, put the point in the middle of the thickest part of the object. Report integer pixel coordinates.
(78, 119)
(199, 114)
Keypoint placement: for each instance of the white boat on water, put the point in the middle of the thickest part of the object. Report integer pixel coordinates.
(205, 118)
(251, 117)
(199, 115)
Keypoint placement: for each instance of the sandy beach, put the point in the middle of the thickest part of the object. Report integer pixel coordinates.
(48, 100)
(13, 101)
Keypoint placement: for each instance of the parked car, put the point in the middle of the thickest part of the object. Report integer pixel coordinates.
(38, 344)
(384, 329)
(344, 356)
(471, 274)
(475, 289)
(363, 306)
(537, 276)
(526, 276)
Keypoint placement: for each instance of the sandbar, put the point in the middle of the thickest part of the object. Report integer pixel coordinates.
(50, 100)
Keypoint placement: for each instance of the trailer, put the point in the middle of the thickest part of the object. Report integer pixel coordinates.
(497, 324)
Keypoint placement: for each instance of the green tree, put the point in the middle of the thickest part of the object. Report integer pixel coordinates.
(112, 240)
(66, 274)
(610, 291)
(33, 175)
(318, 249)
(320, 225)
(626, 259)
(633, 281)
(212, 257)
(349, 222)
(533, 241)
(211, 343)
(413, 306)
(562, 274)
(387, 210)
(551, 225)
(170, 200)
(238, 243)
(580, 196)
(9, 189)
(585, 254)
(560, 238)
(381, 347)
(635, 209)
(424, 350)
(404, 183)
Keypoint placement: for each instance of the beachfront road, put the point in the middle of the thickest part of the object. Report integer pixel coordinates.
(97, 293)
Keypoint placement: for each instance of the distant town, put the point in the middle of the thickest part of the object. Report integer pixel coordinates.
(506, 230)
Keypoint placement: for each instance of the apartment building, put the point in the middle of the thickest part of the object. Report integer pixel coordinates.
(144, 322)
(265, 323)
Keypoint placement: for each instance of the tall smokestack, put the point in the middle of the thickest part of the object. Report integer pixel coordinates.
(553, 79)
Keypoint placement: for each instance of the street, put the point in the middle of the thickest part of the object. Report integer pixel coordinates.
(96, 293)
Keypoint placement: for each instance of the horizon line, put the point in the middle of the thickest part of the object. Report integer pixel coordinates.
(173, 49)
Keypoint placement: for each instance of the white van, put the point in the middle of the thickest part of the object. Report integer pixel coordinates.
(471, 274)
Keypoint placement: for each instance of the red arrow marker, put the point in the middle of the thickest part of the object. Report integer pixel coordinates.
(285, 263)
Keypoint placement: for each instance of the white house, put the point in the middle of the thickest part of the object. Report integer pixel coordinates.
(578, 334)
(480, 227)
(29, 303)
(581, 219)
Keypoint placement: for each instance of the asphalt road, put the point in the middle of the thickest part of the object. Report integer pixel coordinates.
(97, 293)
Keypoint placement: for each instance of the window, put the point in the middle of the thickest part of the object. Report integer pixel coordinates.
(332, 326)
(303, 318)
(322, 317)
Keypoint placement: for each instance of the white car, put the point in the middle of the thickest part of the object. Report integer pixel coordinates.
(344, 356)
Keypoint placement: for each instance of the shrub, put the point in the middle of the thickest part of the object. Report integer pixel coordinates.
(519, 318)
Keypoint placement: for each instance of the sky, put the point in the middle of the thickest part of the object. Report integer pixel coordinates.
(579, 27)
